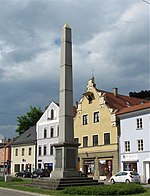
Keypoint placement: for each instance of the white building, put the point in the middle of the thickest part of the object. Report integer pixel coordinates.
(47, 129)
(135, 139)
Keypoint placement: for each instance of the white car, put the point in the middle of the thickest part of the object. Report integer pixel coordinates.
(125, 176)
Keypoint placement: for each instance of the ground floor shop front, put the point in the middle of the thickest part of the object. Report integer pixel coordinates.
(45, 165)
(139, 162)
(100, 166)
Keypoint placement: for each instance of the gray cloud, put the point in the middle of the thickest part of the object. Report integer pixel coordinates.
(110, 40)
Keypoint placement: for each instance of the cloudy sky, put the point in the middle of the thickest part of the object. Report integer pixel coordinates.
(110, 41)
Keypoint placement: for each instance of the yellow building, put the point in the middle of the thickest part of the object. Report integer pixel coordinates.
(23, 152)
(96, 128)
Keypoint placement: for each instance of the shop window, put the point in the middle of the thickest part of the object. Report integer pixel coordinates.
(22, 166)
(95, 140)
(140, 145)
(139, 123)
(105, 168)
(39, 166)
(89, 167)
(106, 138)
(96, 117)
(128, 166)
(127, 146)
(17, 167)
(85, 141)
(85, 119)
(40, 150)
(45, 133)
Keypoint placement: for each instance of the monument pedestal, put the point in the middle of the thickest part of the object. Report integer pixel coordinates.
(66, 160)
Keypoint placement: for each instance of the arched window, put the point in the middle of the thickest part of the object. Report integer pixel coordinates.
(52, 114)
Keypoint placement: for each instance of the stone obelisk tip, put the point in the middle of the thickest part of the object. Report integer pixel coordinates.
(66, 26)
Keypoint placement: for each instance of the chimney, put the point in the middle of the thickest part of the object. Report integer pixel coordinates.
(115, 91)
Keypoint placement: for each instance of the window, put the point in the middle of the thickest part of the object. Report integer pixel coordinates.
(85, 119)
(76, 140)
(40, 151)
(17, 167)
(51, 150)
(45, 133)
(52, 132)
(96, 117)
(127, 146)
(52, 114)
(44, 152)
(16, 152)
(23, 151)
(106, 138)
(30, 150)
(140, 145)
(139, 123)
(85, 141)
(57, 131)
(95, 140)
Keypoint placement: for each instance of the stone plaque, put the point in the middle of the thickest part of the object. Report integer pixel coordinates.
(71, 158)
(58, 158)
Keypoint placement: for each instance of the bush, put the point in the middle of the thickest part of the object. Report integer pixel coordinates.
(116, 189)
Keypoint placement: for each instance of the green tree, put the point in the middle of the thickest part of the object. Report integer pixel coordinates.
(144, 94)
(28, 120)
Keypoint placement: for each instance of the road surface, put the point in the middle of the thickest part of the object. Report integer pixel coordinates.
(10, 192)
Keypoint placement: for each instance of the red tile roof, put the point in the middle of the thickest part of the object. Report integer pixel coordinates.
(134, 108)
(121, 101)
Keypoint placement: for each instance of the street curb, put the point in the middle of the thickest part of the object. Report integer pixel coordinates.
(26, 192)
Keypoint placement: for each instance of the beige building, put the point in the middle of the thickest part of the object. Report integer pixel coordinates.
(23, 151)
(96, 128)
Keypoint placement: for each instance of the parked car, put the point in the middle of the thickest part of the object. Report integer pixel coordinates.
(23, 173)
(148, 181)
(40, 173)
(126, 176)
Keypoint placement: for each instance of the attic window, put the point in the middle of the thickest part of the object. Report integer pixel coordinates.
(89, 96)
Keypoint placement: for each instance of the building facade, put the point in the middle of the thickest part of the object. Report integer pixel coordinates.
(5, 155)
(135, 139)
(96, 128)
(23, 151)
(47, 129)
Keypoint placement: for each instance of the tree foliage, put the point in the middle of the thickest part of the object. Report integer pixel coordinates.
(28, 120)
(142, 94)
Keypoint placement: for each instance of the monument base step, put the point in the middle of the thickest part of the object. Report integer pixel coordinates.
(58, 184)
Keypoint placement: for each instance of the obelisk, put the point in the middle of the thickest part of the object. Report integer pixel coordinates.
(66, 156)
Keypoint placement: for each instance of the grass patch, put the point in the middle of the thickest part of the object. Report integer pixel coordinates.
(116, 189)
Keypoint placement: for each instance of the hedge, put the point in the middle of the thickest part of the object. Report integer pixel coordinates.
(115, 189)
